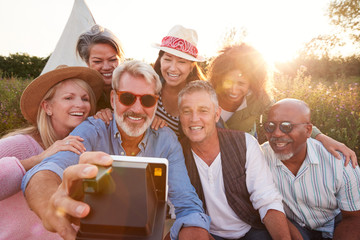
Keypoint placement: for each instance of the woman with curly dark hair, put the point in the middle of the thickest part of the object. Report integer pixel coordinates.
(242, 81)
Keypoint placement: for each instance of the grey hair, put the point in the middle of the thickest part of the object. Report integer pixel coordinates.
(197, 86)
(97, 34)
(136, 68)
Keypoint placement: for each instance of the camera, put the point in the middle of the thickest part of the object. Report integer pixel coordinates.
(127, 200)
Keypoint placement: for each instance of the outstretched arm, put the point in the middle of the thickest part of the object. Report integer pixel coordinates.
(54, 202)
(39, 191)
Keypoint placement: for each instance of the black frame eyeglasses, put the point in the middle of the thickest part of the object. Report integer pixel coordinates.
(285, 127)
(128, 98)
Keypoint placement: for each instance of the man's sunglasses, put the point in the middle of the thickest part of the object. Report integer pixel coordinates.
(285, 127)
(128, 99)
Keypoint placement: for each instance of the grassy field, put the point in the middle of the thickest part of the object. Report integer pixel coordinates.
(335, 105)
(10, 114)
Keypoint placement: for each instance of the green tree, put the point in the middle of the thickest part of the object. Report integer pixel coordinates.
(21, 65)
(234, 36)
(345, 13)
(321, 46)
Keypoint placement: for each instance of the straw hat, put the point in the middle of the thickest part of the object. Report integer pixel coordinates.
(36, 90)
(181, 42)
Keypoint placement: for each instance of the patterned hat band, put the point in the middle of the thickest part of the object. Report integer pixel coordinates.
(180, 45)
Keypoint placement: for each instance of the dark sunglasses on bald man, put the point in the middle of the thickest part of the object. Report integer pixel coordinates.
(129, 98)
(285, 127)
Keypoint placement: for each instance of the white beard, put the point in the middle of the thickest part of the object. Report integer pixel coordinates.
(284, 157)
(132, 130)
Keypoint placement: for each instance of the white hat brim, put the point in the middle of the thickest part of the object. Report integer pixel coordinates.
(179, 53)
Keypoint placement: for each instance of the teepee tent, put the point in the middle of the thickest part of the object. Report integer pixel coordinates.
(79, 21)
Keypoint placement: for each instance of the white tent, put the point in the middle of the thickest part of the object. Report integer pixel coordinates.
(79, 21)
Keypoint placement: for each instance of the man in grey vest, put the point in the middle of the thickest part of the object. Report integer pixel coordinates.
(228, 171)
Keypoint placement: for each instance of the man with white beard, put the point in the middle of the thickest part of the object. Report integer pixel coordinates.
(321, 196)
(134, 100)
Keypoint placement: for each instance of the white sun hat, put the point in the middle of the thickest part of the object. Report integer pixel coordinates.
(181, 42)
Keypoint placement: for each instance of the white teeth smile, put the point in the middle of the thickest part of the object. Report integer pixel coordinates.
(77, 114)
(107, 74)
(173, 75)
(134, 118)
(233, 95)
(281, 144)
(195, 128)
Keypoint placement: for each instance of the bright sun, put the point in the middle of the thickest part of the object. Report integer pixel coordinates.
(281, 32)
(275, 45)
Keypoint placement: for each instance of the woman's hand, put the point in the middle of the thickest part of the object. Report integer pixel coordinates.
(70, 143)
(332, 146)
(158, 123)
(105, 115)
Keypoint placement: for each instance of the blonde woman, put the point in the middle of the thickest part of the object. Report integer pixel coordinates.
(54, 103)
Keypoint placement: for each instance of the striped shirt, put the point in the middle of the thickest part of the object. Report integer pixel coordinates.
(322, 186)
(173, 122)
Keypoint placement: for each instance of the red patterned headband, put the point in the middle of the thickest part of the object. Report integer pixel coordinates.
(179, 44)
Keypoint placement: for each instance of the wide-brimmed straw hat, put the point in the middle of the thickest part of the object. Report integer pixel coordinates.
(37, 89)
(181, 42)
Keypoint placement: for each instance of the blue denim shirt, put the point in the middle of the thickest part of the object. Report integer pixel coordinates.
(162, 143)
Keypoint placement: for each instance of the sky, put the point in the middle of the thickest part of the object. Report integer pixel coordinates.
(277, 28)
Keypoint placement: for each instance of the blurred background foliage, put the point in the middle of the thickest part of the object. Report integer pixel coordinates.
(319, 75)
(335, 105)
(21, 65)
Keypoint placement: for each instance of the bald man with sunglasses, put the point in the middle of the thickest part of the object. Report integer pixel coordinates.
(321, 196)
(49, 186)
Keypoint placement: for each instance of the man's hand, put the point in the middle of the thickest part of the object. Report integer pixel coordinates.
(65, 207)
(195, 233)
(349, 227)
(294, 232)
(277, 224)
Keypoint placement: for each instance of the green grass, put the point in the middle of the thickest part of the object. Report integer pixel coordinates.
(335, 107)
(10, 114)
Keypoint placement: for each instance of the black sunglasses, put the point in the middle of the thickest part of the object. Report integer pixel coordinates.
(128, 99)
(285, 127)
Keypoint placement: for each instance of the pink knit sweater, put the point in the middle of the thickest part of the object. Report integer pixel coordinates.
(17, 221)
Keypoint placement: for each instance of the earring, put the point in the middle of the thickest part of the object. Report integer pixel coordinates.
(49, 113)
